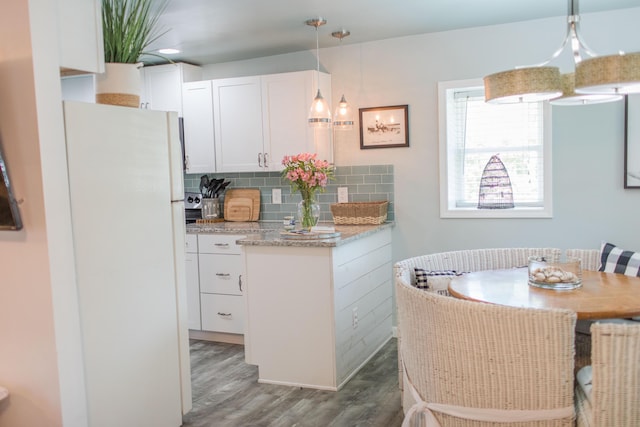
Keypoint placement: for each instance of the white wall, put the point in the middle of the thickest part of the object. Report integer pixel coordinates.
(28, 363)
(590, 204)
(40, 358)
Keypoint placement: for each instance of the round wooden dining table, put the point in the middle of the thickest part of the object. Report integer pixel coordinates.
(601, 296)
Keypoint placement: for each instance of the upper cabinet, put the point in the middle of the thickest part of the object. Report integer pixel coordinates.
(237, 109)
(286, 99)
(162, 85)
(80, 33)
(258, 120)
(199, 148)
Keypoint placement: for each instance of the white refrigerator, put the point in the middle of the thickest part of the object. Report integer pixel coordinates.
(127, 209)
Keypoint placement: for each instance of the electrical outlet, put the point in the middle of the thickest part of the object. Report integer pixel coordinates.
(354, 317)
(343, 195)
(276, 196)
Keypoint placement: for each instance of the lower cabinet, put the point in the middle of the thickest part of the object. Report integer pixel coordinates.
(220, 263)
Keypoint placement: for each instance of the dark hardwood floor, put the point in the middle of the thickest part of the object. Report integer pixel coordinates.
(226, 393)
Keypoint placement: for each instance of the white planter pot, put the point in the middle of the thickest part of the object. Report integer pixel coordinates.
(120, 84)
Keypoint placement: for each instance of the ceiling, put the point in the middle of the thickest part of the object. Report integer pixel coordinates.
(214, 31)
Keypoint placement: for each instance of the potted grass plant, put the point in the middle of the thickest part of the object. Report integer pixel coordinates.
(128, 27)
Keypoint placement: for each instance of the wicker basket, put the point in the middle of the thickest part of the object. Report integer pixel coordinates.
(359, 213)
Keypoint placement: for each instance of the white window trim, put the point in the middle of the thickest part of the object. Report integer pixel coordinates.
(445, 198)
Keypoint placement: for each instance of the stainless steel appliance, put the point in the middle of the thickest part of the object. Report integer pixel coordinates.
(192, 207)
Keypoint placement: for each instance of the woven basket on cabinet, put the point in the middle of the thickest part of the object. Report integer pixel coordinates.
(359, 213)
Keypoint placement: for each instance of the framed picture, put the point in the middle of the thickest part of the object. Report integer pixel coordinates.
(632, 141)
(384, 127)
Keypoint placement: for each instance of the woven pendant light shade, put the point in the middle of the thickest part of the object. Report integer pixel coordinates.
(529, 84)
(495, 186)
(570, 97)
(613, 74)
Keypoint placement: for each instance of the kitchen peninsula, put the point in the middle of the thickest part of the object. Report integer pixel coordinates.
(316, 310)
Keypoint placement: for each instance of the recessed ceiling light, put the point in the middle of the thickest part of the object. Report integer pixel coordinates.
(168, 51)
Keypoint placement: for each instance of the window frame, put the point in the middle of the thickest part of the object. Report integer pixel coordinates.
(447, 197)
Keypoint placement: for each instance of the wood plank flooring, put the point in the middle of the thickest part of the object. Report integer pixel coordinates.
(226, 393)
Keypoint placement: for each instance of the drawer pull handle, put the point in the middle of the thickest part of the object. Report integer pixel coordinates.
(223, 274)
(240, 282)
(224, 314)
(221, 245)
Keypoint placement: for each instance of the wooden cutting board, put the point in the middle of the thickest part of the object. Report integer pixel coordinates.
(242, 204)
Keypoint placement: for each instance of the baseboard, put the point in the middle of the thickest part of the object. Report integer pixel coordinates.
(216, 336)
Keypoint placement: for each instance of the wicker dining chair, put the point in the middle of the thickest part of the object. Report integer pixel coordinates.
(485, 363)
(608, 391)
(461, 261)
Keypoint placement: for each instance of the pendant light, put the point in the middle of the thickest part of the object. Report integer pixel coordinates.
(541, 82)
(343, 116)
(319, 113)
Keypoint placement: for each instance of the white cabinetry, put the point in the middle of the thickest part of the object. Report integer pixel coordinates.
(221, 271)
(257, 120)
(199, 147)
(80, 36)
(193, 282)
(237, 106)
(286, 99)
(162, 85)
(317, 314)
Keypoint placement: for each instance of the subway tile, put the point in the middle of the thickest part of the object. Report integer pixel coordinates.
(365, 183)
(373, 179)
(365, 188)
(355, 179)
(379, 169)
(360, 170)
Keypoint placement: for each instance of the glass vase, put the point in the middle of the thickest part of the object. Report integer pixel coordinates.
(308, 212)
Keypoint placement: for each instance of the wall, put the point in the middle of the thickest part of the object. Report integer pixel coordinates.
(590, 204)
(41, 360)
(365, 184)
(28, 362)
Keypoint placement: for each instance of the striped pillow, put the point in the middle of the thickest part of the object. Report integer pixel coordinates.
(616, 260)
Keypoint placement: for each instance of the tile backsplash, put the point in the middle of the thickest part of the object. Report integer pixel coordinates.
(365, 184)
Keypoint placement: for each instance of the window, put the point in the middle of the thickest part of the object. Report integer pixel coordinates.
(472, 131)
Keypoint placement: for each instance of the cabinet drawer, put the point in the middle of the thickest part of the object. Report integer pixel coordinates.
(191, 243)
(222, 313)
(221, 274)
(219, 244)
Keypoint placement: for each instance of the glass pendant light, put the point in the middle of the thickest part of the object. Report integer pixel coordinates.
(320, 112)
(343, 116)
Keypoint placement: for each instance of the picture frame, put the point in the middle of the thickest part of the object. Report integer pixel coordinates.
(384, 127)
(632, 141)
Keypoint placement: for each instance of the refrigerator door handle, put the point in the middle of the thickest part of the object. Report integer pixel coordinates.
(240, 282)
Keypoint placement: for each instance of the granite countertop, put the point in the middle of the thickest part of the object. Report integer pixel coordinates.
(267, 233)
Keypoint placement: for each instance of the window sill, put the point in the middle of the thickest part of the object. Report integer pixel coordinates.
(496, 213)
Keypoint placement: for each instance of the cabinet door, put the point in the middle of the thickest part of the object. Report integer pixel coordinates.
(221, 274)
(80, 35)
(198, 127)
(193, 291)
(238, 124)
(223, 313)
(162, 88)
(286, 99)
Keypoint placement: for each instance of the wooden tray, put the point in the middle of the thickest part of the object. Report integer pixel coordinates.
(242, 204)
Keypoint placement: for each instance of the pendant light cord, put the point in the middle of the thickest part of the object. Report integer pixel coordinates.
(318, 57)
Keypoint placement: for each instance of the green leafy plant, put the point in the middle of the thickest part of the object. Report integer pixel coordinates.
(128, 27)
